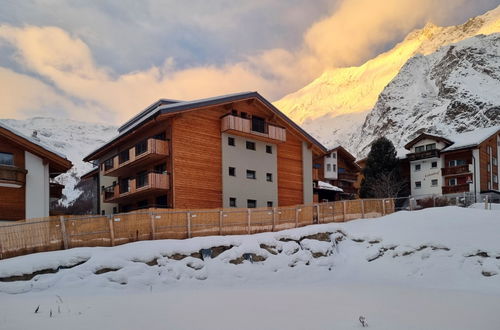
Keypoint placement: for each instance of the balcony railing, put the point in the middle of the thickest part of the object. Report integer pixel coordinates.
(423, 155)
(459, 188)
(346, 176)
(11, 176)
(143, 152)
(137, 187)
(244, 125)
(55, 190)
(462, 169)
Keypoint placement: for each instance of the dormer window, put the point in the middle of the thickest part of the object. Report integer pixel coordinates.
(6, 158)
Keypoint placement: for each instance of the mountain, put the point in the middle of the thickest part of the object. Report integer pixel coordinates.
(72, 138)
(334, 106)
(454, 89)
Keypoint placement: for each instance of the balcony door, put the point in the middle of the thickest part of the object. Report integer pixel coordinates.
(258, 124)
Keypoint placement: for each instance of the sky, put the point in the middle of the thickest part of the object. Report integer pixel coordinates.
(104, 61)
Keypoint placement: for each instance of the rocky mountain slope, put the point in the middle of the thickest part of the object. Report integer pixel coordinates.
(72, 138)
(455, 89)
(334, 106)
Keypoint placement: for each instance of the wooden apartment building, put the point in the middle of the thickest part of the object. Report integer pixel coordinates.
(26, 170)
(335, 175)
(235, 150)
(454, 165)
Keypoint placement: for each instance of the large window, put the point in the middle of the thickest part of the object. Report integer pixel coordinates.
(108, 164)
(142, 179)
(457, 162)
(431, 146)
(124, 185)
(124, 156)
(6, 158)
(141, 147)
(420, 149)
(258, 124)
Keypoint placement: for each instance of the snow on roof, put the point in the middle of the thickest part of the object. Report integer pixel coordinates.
(470, 139)
(31, 139)
(327, 186)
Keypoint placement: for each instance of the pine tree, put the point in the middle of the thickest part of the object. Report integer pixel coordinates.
(381, 164)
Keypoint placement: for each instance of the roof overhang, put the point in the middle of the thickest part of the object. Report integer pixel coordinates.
(423, 136)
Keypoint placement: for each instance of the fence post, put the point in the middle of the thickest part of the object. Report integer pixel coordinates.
(188, 219)
(344, 211)
(383, 207)
(486, 202)
(111, 230)
(297, 210)
(411, 204)
(248, 220)
(274, 219)
(63, 232)
(153, 229)
(318, 213)
(433, 201)
(221, 214)
(362, 209)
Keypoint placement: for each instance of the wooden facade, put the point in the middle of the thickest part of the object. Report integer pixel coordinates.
(194, 155)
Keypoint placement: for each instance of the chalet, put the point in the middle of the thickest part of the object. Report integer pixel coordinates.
(456, 164)
(235, 150)
(26, 172)
(335, 175)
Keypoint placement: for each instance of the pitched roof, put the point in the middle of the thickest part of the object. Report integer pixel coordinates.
(471, 139)
(177, 107)
(57, 161)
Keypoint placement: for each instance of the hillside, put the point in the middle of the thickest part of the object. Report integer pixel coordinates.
(72, 138)
(352, 92)
(441, 264)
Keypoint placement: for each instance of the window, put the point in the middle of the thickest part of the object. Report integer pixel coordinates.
(161, 168)
(434, 164)
(251, 175)
(328, 155)
(434, 182)
(418, 184)
(232, 171)
(457, 162)
(251, 203)
(142, 179)
(258, 124)
(334, 167)
(418, 167)
(108, 164)
(495, 178)
(124, 156)
(270, 204)
(420, 149)
(6, 158)
(431, 146)
(328, 167)
(123, 185)
(234, 112)
(269, 177)
(230, 141)
(250, 145)
(269, 149)
(141, 147)
(334, 155)
(495, 161)
(452, 182)
(232, 202)
(489, 167)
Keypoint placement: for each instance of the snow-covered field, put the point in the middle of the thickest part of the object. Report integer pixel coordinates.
(431, 269)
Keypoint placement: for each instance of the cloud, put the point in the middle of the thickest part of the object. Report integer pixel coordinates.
(61, 74)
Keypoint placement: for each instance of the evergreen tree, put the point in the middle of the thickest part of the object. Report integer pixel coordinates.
(381, 164)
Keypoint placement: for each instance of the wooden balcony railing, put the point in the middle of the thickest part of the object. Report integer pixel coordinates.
(244, 126)
(462, 169)
(55, 190)
(459, 188)
(346, 176)
(423, 155)
(11, 176)
(137, 187)
(138, 155)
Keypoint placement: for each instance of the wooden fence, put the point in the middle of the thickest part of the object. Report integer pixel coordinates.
(64, 232)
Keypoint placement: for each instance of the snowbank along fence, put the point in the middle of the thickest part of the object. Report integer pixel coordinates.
(63, 232)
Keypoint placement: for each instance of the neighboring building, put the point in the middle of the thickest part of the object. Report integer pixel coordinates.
(93, 177)
(230, 151)
(337, 168)
(26, 170)
(454, 165)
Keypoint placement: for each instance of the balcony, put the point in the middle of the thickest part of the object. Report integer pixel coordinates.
(346, 176)
(137, 187)
(243, 126)
(55, 190)
(423, 155)
(461, 169)
(459, 188)
(12, 177)
(143, 153)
